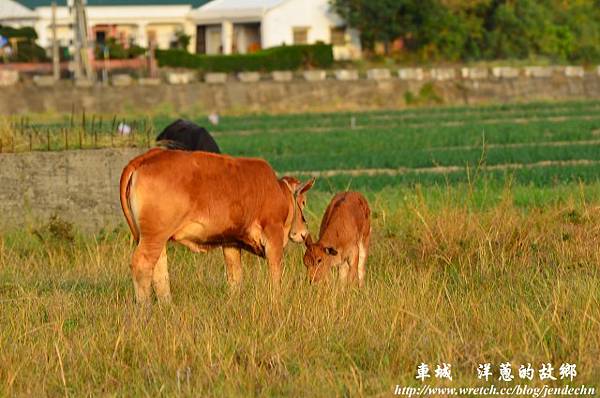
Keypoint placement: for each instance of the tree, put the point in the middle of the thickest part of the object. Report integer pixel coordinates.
(377, 20)
(428, 28)
(582, 20)
(437, 33)
(452, 30)
(472, 15)
(517, 29)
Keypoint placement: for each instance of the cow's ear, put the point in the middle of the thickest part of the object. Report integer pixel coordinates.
(291, 182)
(331, 251)
(306, 186)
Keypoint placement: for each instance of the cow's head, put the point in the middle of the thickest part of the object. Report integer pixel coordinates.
(319, 260)
(299, 228)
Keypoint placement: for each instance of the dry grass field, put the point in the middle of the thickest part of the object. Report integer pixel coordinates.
(449, 280)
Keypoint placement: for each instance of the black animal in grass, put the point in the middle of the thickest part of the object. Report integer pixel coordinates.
(187, 136)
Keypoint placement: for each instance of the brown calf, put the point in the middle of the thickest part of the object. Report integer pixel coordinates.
(343, 240)
(204, 200)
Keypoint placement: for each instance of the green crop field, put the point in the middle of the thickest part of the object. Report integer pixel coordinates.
(485, 249)
(538, 143)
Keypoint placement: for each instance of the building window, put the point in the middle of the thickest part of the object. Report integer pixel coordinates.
(338, 36)
(100, 36)
(300, 35)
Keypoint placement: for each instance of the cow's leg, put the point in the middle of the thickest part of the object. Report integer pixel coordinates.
(274, 253)
(145, 257)
(233, 262)
(160, 278)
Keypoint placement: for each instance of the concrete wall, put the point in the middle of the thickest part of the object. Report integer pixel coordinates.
(293, 96)
(80, 186)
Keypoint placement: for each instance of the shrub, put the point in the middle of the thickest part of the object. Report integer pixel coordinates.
(277, 58)
(135, 51)
(182, 40)
(20, 33)
(55, 230)
(26, 49)
(427, 96)
(117, 51)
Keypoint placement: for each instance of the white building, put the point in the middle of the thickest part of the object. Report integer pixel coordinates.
(15, 14)
(128, 21)
(219, 26)
(241, 26)
(128, 24)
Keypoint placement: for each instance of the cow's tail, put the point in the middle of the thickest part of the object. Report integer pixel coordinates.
(125, 189)
(125, 186)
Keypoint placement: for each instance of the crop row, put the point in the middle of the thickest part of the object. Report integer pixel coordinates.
(426, 159)
(535, 176)
(372, 122)
(402, 117)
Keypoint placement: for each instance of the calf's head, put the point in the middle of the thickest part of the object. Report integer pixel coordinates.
(319, 260)
(299, 228)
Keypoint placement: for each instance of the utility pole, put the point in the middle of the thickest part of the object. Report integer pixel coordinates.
(87, 62)
(55, 56)
(83, 67)
(76, 42)
(152, 59)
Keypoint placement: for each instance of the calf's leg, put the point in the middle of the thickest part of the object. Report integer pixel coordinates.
(353, 262)
(343, 270)
(233, 262)
(363, 251)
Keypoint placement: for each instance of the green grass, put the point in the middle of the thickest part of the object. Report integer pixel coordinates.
(445, 278)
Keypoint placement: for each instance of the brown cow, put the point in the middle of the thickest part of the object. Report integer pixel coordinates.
(204, 200)
(343, 240)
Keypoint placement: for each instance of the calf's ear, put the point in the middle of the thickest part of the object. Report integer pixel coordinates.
(331, 251)
(306, 186)
(291, 182)
(308, 241)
